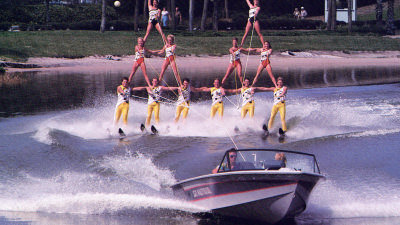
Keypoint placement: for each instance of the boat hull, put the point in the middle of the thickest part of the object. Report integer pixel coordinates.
(255, 195)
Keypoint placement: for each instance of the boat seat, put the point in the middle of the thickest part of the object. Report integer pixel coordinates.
(274, 164)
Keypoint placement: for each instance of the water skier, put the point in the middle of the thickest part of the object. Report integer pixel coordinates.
(279, 105)
(252, 21)
(265, 51)
(184, 99)
(122, 107)
(234, 61)
(169, 49)
(154, 14)
(140, 52)
(217, 92)
(247, 95)
(153, 103)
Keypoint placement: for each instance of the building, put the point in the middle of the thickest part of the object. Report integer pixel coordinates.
(341, 10)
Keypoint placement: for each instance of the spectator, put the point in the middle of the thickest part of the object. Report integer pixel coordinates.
(303, 13)
(178, 16)
(164, 17)
(296, 13)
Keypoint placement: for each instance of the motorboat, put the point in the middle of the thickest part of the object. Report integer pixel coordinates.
(267, 185)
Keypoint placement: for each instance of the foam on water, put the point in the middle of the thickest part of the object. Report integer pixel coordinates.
(330, 200)
(112, 184)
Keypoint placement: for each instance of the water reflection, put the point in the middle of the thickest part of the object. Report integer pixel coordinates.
(31, 92)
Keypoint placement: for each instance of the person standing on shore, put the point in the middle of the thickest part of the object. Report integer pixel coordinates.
(140, 52)
(178, 16)
(234, 62)
(122, 107)
(217, 92)
(265, 51)
(303, 13)
(154, 14)
(296, 14)
(164, 17)
(252, 21)
(279, 105)
(169, 49)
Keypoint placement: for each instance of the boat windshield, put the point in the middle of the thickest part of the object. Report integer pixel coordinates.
(268, 159)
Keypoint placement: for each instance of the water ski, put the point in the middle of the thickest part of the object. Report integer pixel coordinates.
(281, 132)
(265, 129)
(142, 127)
(154, 130)
(121, 133)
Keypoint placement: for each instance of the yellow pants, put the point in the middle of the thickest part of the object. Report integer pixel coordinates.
(123, 109)
(249, 107)
(282, 110)
(155, 106)
(182, 108)
(217, 107)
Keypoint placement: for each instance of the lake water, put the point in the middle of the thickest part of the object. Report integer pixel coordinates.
(58, 164)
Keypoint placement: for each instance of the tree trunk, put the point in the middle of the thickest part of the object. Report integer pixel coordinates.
(226, 10)
(191, 11)
(349, 15)
(173, 7)
(215, 15)
(378, 12)
(204, 16)
(103, 16)
(328, 22)
(390, 27)
(136, 15)
(47, 13)
(145, 12)
(333, 15)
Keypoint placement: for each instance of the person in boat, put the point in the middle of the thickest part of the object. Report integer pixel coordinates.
(265, 51)
(140, 52)
(233, 164)
(234, 62)
(169, 49)
(252, 21)
(279, 105)
(184, 99)
(217, 93)
(153, 103)
(154, 14)
(122, 107)
(247, 95)
(280, 156)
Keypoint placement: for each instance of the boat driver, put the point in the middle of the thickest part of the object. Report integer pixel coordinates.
(232, 162)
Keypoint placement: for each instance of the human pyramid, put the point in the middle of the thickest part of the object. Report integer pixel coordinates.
(154, 89)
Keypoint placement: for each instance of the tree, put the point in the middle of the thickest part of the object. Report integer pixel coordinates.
(204, 16)
(378, 12)
(349, 15)
(103, 16)
(390, 28)
(226, 10)
(331, 26)
(47, 2)
(145, 10)
(191, 12)
(173, 7)
(215, 15)
(136, 15)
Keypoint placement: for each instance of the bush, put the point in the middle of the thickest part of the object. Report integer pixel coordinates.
(5, 26)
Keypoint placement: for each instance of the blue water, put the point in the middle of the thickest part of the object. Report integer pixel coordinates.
(59, 164)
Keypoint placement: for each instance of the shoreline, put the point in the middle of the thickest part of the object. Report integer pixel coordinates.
(279, 61)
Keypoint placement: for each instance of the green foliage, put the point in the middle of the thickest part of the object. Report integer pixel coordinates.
(2, 70)
(36, 14)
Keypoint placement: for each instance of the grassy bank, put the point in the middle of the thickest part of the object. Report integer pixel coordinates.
(75, 44)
